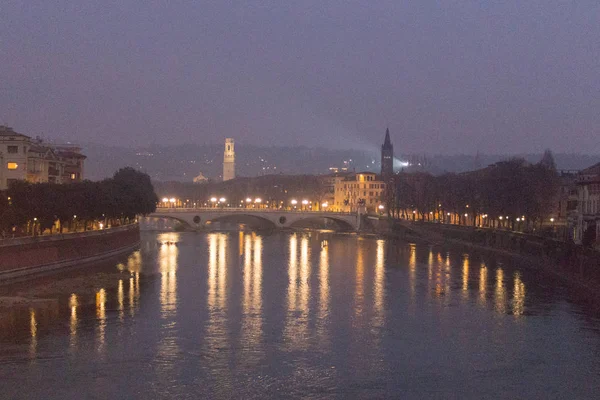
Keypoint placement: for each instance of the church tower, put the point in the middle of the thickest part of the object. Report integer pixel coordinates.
(387, 157)
(228, 160)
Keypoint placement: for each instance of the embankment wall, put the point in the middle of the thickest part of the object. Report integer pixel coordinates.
(26, 256)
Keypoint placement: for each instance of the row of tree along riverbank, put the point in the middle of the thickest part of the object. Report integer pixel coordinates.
(33, 208)
(511, 194)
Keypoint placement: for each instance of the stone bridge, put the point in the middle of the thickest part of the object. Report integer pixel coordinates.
(203, 217)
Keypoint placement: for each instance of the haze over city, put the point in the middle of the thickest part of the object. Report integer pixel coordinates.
(453, 77)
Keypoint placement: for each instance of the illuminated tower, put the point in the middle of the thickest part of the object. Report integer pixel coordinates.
(387, 157)
(228, 160)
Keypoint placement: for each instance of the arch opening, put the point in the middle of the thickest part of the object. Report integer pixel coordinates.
(318, 222)
(237, 221)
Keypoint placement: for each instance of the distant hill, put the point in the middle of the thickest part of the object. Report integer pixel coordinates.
(183, 163)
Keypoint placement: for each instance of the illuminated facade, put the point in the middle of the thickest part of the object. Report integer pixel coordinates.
(358, 190)
(23, 158)
(229, 160)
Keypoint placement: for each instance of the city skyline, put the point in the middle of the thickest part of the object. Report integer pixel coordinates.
(466, 78)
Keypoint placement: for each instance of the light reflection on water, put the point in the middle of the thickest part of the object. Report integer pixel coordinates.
(251, 315)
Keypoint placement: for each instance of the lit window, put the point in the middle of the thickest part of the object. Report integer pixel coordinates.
(12, 165)
(72, 176)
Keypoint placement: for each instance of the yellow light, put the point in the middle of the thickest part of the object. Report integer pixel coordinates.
(551, 219)
(12, 165)
(500, 218)
(325, 205)
(165, 200)
(172, 200)
(466, 215)
(305, 202)
(381, 207)
(101, 225)
(213, 199)
(294, 201)
(248, 200)
(222, 199)
(518, 219)
(258, 200)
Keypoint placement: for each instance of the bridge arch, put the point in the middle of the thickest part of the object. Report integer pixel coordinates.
(240, 218)
(185, 220)
(341, 223)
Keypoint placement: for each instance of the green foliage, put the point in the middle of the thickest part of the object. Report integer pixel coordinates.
(127, 194)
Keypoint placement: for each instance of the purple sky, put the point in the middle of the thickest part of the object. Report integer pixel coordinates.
(452, 76)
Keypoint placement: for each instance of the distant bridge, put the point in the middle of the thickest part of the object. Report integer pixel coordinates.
(203, 217)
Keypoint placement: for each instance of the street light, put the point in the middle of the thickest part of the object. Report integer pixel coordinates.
(222, 200)
(294, 202)
(248, 200)
(305, 202)
(258, 200)
(165, 200)
(325, 205)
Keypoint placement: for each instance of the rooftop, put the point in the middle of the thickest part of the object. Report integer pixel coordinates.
(8, 131)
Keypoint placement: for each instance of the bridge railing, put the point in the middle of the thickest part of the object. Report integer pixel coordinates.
(246, 210)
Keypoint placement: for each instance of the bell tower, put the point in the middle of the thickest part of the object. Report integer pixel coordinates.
(229, 160)
(387, 157)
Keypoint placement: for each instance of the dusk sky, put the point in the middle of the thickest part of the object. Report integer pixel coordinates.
(508, 76)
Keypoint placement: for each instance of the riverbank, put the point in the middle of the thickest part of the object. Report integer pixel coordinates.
(32, 256)
(573, 265)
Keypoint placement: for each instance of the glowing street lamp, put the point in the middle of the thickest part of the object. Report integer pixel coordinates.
(222, 200)
(325, 205)
(258, 200)
(165, 200)
(381, 207)
(248, 200)
(305, 202)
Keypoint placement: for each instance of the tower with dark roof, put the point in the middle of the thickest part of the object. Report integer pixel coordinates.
(387, 157)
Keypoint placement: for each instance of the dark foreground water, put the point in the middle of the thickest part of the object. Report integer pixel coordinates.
(304, 315)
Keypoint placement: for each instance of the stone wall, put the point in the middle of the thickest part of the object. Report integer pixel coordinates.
(34, 253)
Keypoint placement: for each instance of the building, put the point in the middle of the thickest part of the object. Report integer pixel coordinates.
(387, 157)
(587, 227)
(200, 179)
(355, 191)
(229, 160)
(14, 151)
(24, 158)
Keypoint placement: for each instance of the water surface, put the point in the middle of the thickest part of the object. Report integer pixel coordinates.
(303, 315)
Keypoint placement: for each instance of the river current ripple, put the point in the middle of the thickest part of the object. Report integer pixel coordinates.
(304, 315)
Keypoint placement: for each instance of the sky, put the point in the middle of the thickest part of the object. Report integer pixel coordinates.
(446, 76)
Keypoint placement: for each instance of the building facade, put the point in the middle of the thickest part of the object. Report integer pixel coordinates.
(229, 160)
(24, 158)
(587, 228)
(358, 192)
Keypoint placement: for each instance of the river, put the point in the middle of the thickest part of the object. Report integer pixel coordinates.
(302, 315)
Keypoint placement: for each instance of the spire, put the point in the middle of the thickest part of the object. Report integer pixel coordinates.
(387, 142)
